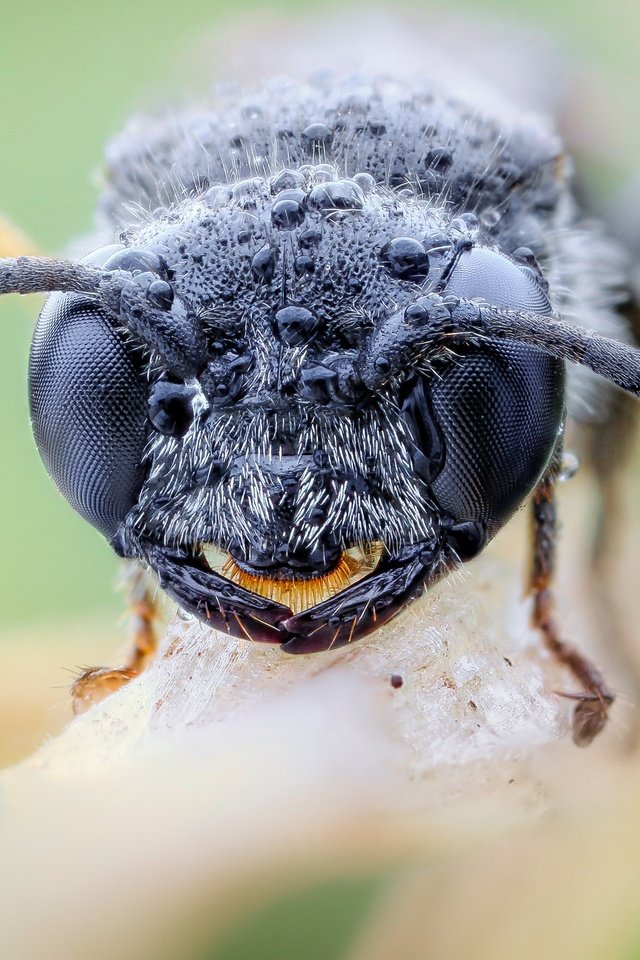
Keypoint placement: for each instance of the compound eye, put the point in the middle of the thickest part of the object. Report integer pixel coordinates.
(88, 408)
(486, 274)
(499, 410)
(171, 408)
(490, 423)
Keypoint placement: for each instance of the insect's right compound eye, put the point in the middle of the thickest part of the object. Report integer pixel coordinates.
(88, 409)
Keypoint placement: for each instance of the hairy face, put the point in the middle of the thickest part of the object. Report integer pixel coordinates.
(281, 466)
(300, 440)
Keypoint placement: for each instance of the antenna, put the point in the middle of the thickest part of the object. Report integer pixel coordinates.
(164, 323)
(432, 324)
(47, 274)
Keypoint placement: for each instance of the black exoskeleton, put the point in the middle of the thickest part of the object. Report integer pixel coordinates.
(325, 363)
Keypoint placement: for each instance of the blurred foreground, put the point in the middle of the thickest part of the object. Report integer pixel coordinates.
(235, 803)
(297, 827)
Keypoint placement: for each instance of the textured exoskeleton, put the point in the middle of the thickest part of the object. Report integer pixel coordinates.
(322, 362)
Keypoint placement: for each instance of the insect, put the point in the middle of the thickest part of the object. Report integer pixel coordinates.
(322, 363)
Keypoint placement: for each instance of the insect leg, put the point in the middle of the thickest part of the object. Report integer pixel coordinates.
(95, 684)
(591, 712)
(610, 445)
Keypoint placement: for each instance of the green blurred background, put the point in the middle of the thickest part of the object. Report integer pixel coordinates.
(71, 74)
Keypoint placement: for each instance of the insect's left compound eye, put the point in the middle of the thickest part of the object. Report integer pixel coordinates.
(487, 427)
(88, 408)
(484, 274)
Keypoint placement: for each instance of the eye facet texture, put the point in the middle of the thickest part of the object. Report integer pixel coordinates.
(88, 409)
(499, 409)
(499, 406)
(484, 274)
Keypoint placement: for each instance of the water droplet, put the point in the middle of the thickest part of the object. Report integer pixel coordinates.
(365, 181)
(418, 314)
(304, 264)
(317, 133)
(286, 180)
(217, 195)
(310, 237)
(382, 365)
(299, 196)
(406, 258)
(160, 294)
(470, 220)
(296, 325)
(171, 408)
(135, 260)
(263, 264)
(490, 218)
(288, 210)
(569, 466)
(337, 195)
(325, 170)
(437, 243)
(323, 176)
(253, 187)
(460, 225)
